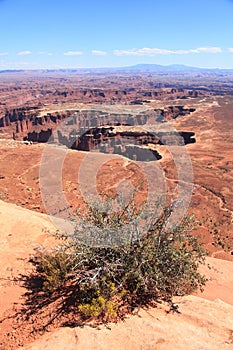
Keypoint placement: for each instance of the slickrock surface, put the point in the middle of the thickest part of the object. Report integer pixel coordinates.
(202, 325)
(205, 321)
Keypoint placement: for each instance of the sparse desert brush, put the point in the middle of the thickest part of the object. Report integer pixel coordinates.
(120, 258)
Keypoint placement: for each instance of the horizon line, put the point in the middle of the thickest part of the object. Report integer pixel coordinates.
(177, 65)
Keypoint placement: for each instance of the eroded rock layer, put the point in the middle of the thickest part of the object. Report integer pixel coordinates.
(26, 123)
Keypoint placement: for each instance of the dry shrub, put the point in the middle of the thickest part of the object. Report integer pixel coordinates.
(117, 260)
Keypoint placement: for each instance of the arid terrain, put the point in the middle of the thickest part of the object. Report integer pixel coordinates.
(163, 134)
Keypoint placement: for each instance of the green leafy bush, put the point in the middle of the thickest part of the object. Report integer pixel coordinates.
(116, 260)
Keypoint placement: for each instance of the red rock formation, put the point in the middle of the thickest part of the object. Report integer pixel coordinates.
(128, 141)
(24, 123)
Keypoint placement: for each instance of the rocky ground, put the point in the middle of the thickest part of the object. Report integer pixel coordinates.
(204, 322)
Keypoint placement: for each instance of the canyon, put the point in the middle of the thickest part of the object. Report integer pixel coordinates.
(98, 132)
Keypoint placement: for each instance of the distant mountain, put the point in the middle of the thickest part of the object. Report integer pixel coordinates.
(11, 70)
(172, 68)
(158, 67)
(142, 67)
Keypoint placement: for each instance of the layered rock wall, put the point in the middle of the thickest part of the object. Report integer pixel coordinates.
(25, 123)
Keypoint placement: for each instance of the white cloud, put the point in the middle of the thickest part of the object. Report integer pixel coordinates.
(3, 53)
(73, 53)
(146, 51)
(207, 50)
(98, 53)
(40, 53)
(230, 49)
(24, 53)
(141, 52)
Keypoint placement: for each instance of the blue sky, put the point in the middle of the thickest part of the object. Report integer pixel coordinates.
(101, 33)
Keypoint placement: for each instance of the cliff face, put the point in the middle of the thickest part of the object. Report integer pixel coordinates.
(26, 124)
(58, 92)
(98, 130)
(129, 141)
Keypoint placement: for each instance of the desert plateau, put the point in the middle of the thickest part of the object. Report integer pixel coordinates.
(69, 134)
